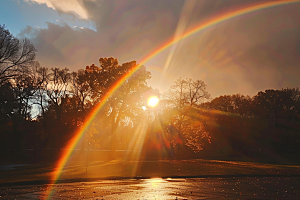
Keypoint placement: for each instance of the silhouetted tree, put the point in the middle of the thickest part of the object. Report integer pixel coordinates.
(25, 89)
(237, 104)
(14, 54)
(8, 102)
(56, 86)
(280, 103)
(80, 88)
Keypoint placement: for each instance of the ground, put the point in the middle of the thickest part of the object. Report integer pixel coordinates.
(165, 179)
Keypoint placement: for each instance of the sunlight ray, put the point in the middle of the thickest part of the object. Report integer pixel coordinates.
(186, 13)
(137, 144)
(214, 21)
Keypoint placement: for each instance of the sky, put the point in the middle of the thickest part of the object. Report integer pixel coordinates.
(246, 54)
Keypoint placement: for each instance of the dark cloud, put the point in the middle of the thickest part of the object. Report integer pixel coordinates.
(249, 53)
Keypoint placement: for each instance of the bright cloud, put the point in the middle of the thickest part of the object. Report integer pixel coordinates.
(66, 6)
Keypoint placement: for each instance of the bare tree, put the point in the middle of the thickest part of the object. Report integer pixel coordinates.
(24, 89)
(182, 101)
(58, 82)
(80, 88)
(42, 80)
(53, 91)
(184, 95)
(15, 55)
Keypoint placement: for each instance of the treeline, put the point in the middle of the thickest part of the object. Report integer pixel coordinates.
(42, 108)
(266, 125)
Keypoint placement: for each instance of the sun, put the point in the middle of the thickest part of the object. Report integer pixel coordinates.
(153, 101)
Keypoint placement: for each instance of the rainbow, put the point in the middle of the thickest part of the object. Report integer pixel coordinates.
(209, 23)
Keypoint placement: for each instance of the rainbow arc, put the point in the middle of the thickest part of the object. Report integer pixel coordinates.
(61, 163)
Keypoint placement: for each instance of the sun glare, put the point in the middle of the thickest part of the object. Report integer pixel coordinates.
(153, 101)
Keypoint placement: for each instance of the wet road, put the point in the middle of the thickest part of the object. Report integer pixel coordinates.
(157, 188)
(119, 179)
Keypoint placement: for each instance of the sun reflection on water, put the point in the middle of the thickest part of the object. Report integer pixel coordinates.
(154, 182)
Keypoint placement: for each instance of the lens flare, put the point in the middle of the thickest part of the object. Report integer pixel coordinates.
(153, 101)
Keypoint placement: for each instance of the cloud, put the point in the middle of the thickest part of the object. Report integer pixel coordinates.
(29, 31)
(246, 54)
(127, 30)
(64, 46)
(65, 6)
